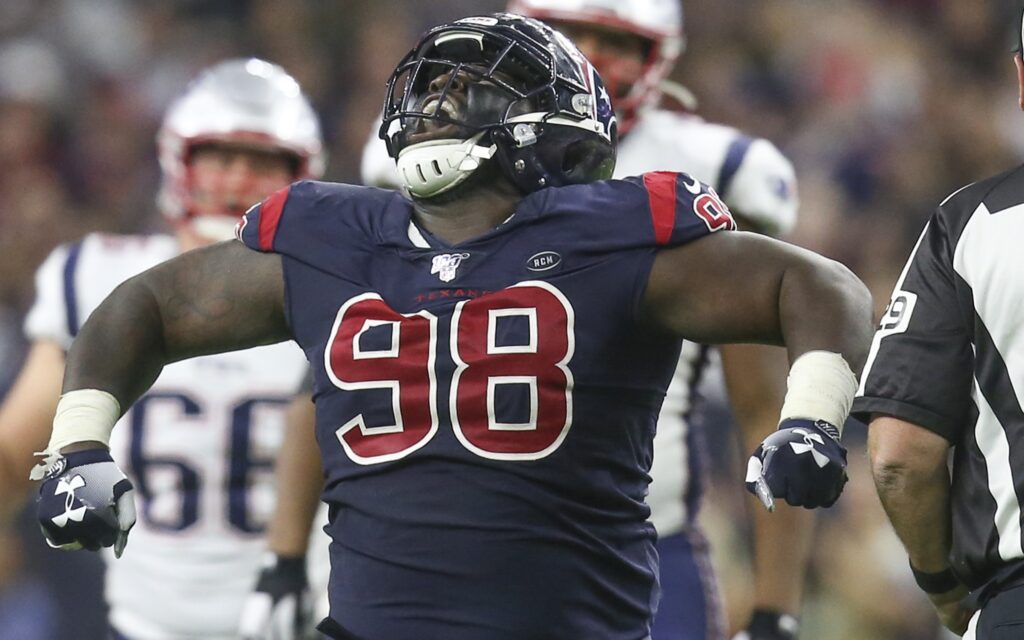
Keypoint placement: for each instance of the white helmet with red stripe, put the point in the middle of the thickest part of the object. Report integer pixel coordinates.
(242, 101)
(658, 21)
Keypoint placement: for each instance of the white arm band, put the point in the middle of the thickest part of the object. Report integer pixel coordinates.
(85, 415)
(82, 416)
(820, 386)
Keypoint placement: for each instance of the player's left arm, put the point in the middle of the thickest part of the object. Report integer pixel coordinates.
(742, 287)
(908, 463)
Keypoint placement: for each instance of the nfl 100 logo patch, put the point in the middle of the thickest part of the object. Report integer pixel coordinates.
(446, 265)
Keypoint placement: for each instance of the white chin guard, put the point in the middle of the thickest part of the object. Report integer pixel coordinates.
(430, 168)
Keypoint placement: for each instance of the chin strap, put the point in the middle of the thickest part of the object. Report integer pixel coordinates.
(430, 168)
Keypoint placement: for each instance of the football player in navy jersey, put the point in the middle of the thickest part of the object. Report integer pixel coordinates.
(634, 45)
(489, 357)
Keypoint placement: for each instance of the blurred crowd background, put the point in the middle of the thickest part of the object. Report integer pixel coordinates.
(884, 107)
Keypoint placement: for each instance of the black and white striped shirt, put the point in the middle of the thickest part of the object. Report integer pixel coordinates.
(949, 356)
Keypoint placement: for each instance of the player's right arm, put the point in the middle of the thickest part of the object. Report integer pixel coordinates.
(219, 298)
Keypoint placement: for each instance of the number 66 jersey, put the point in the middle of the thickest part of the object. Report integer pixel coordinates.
(485, 411)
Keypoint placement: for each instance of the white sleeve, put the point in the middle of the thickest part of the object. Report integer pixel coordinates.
(764, 189)
(51, 316)
(378, 168)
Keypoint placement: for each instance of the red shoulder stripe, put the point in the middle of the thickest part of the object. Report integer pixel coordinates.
(661, 194)
(270, 217)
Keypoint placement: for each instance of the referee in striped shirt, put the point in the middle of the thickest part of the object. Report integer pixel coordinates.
(946, 373)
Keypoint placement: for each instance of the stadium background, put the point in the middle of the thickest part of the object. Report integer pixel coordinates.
(884, 106)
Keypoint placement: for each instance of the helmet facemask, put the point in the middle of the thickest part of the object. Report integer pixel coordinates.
(473, 90)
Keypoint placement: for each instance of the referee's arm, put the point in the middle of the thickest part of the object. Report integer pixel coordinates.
(908, 463)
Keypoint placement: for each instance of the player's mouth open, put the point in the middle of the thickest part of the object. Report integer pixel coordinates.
(431, 129)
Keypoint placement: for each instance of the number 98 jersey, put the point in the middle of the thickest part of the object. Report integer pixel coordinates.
(485, 410)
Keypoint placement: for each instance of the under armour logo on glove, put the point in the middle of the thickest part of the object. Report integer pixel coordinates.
(68, 488)
(807, 446)
(86, 502)
(803, 463)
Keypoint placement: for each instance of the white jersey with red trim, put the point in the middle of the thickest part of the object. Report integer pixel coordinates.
(199, 448)
(755, 181)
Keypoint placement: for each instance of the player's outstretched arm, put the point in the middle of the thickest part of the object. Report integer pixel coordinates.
(742, 287)
(219, 298)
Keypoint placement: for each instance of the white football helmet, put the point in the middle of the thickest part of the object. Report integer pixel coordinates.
(242, 100)
(658, 21)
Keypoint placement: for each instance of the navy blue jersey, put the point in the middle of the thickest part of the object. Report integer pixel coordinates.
(485, 411)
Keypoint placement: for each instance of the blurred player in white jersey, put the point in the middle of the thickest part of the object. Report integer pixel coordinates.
(200, 445)
(634, 44)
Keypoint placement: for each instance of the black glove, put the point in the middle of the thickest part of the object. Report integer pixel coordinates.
(803, 462)
(279, 608)
(86, 502)
(770, 625)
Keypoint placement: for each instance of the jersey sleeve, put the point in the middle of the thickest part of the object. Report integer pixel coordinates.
(259, 226)
(763, 189)
(330, 226)
(53, 315)
(681, 207)
(921, 361)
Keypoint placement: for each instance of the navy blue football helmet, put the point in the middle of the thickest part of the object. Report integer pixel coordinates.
(499, 86)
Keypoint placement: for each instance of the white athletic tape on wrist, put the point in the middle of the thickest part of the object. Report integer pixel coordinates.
(85, 415)
(820, 386)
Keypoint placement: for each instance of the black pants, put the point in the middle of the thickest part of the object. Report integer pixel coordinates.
(1002, 618)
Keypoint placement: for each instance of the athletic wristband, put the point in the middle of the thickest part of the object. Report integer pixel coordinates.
(84, 415)
(938, 582)
(820, 386)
